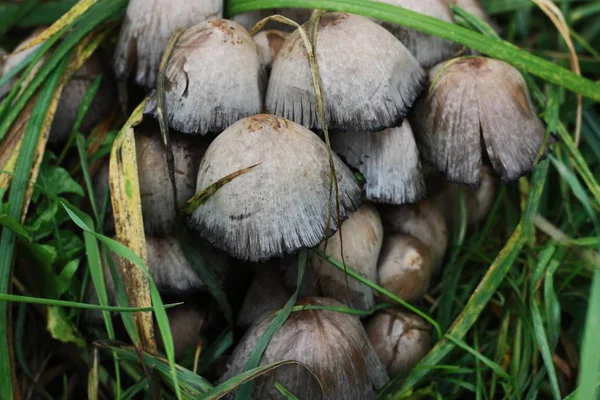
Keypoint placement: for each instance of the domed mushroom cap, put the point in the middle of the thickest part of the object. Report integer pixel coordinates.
(421, 220)
(158, 210)
(333, 345)
(214, 78)
(478, 202)
(478, 103)
(389, 161)
(429, 50)
(401, 339)
(269, 43)
(370, 80)
(267, 292)
(405, 266)
(279, 206)
(147, 28)
(361, 236)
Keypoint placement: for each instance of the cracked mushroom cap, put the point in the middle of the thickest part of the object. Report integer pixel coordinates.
(279, 206)
(401, 339)
(158, 210)
(361, 236)
(421, 220)
(333, 345)
(429, 50)
(214, 78)
(405, 266)
(478, 108)
(269, 43)
(389, 161)
(147, 28)
(370, 80)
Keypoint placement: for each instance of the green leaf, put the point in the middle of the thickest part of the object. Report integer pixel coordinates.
(499, 49)
(284, 392)
(62, 328)
(57, 180)
(14, 225)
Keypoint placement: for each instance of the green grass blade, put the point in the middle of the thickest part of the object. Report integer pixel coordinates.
(590, 352)
(284, 392)
(494, 48)
(277, 322)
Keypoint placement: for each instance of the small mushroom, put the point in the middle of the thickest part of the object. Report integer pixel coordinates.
(421, 220)
(478, 202)
(214, 78)
(429, 50)
(269, 43)
(158, 210)
(267, 292)
(187, 323)
(298, 15)
(476, 108)
(405, 266)
(401, 339)
(281, 204)
(389, 161)
(361, 237)
(333, 345)
(370, 80)
(147, 28)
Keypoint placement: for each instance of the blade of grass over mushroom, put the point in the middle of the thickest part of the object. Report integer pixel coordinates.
(158, 307)
(494, 48)
(73, 304)
(284, 392)
(201, 197)
(161, 111)
(348, 270)
(16, 201)
(277, 322)
(485, 290)
(129, 226)
(247, 377)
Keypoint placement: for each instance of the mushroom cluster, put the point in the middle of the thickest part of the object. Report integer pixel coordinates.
(353, 189)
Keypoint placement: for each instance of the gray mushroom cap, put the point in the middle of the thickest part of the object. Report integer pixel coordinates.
(214, 78)
(268, 43)
(370, 80)
(429, 50)
(158, 210)
(147, 28)
(421, 220)
(279, 206)
(401, 339)
(478, 104)
(405, 266)
(389, 161)
(333, 345)
(361, 236)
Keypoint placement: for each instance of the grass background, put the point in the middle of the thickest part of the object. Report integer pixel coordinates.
(518, 305)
